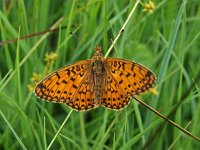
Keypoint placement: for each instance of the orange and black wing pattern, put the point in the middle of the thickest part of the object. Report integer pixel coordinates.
(124, 79)
(113, 96)
(68, 85)
(74, 84)
(84, 97)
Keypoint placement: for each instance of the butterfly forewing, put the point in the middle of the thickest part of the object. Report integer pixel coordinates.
(62, 85)
(132, 77)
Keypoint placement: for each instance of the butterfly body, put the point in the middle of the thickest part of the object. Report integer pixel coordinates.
(108, 82)
(97, 72)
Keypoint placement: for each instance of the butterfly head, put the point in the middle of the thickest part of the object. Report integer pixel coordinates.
(98, 52)
(98, 56)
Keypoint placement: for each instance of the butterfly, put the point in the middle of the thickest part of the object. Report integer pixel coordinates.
(86, 84)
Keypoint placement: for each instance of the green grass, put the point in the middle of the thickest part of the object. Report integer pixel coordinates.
(166, 41)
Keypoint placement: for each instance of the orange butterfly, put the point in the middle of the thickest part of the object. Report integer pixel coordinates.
(108, 82)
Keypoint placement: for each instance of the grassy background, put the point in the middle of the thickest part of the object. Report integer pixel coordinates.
(166, 41)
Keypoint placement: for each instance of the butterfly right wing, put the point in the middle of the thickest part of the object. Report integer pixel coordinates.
(124, 79)
(131, 76)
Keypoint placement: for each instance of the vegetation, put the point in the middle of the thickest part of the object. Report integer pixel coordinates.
(165, 39)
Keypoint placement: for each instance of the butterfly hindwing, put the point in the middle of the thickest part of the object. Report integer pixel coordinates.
(84, 97)
(113, 96)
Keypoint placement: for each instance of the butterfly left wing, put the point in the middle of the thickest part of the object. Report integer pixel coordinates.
(72, 85)
(84, 97)
(61, 85)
